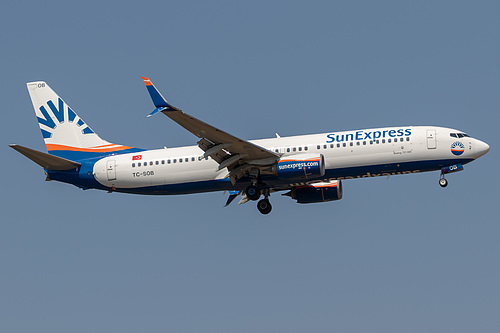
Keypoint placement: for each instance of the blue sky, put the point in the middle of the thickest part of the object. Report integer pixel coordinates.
(393, 255)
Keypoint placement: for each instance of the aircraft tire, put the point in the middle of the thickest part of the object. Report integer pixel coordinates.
(264, 206)
(252, 192)
(443, 182)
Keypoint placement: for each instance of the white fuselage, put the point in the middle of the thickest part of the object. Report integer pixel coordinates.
(349, 154)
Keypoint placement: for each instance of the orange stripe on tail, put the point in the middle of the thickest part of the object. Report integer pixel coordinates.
(146, 81)
(51, 147)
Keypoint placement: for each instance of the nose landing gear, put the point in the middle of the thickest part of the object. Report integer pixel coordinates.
(449, 169)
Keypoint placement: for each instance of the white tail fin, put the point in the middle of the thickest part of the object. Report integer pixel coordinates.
(64, 132)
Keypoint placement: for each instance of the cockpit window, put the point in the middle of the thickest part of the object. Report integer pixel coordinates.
(459, 135)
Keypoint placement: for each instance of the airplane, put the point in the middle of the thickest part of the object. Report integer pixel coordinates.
(309, 168)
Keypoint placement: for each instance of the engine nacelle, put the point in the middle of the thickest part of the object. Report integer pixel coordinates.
(300, 168)
(319, 192)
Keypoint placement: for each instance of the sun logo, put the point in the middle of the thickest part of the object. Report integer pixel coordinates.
(457, 148)
(59, 117)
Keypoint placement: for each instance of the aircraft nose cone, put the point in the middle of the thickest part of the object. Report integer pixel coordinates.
(481, 148)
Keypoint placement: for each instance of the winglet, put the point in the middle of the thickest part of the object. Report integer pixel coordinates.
(159, 101)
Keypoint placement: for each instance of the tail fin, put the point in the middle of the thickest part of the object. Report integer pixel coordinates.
(64, 132)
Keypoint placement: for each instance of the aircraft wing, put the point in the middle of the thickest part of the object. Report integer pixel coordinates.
(235, 154)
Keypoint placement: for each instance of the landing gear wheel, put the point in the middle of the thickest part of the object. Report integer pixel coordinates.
(252, 192)
(443, 182)
(264, 206)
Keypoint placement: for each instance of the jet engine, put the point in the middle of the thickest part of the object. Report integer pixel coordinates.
(318, 192)
(300, 168)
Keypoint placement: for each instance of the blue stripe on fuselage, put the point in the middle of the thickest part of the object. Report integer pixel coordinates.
(85, 179)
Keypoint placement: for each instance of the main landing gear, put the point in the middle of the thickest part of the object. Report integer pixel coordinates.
(253, 193)
(264, 206)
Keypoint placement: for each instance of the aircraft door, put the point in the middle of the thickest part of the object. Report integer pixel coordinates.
(431, 139)
(111, 169)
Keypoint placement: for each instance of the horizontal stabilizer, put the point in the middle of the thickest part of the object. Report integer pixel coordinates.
(46, 161)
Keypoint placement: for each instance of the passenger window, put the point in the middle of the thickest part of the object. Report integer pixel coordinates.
(139, 164)
(344, 144)
(157, 162)
(357, 143)
(401, 139)
(371, 142)
(168, 161)
(175, 160)
(383, 140)
(351, 144)
(364, 143)
(338, 145)
(192, 159)
(408, 138)
(332, 145)
(186, 160)
(133, 165)
(377, 141)
(300, 148)
(305, 148)
(294, 149)
(151, 163)
(288, 150)
(162, 161)
(180, 160)
(318, 147)
(325, 146)
(389, 141)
